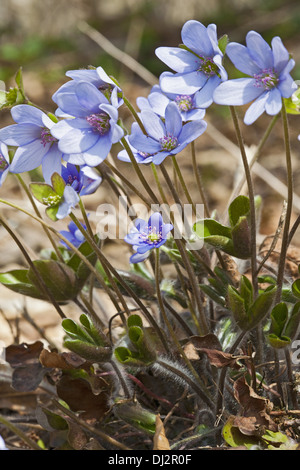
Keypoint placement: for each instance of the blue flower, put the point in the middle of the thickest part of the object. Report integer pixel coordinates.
(147, 235)
(164, 138)
(73, 235)
(158, 101)
(84, 180)
(36, 145)
(198, 65)
(270, 80)
(4, 162)
(66, 94)
(87, 137)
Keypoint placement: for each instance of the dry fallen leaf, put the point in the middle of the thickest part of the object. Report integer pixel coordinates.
(160, 442)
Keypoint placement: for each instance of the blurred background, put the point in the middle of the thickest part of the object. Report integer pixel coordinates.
(47, 38)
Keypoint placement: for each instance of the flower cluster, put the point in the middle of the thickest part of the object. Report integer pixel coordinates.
(74, 141)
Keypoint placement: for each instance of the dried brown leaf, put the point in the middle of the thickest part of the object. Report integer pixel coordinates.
(160, 441)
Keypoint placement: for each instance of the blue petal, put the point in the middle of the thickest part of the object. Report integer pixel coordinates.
(194, 35)
(259, 50)
(158, 102)
(98, 152)
(280, 54)
(20, 134)
(153, 124)
(155, 221)
(78, 141)
(256, 109)
(51, 163)
(89, 97)
(177, 59)
(287, 86)
(28, 157)
(204, 97)
(24, 113)
(137, 257)
(184, 83)
(273, 103)
(173, 120)
(241, 59)
(236, 92)
(89, 75)
(70, 200)
(191, 131)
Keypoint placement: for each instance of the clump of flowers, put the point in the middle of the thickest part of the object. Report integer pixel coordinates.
(198, 307)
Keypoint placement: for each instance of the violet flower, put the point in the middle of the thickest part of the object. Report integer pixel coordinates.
(87, 137)
(73, 235)
(198, 65)
(168, 137)
(270, 80)
(4, 162)
(97, 77)
(84, 180)
(36, 145)
(147, 235)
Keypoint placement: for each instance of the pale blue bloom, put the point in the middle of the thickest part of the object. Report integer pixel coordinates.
(36, 145)
(145, 236)
(164, 137)
(87, 137)
(269, 77)
(198, 65)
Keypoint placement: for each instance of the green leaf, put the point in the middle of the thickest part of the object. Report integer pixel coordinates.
(43, 192)
(293, 322)
(215, 234)
(279, 317)
(246, 291)
(213, 294)
(134, 320)
(240, 234)
(292, 104)
(233, 436)
(88, 351)
(296, 288)
(75, 331)
(261, 306)
(236, 304)
(59, 279)
(278, 343)
(58, 184)
(222, 43)
(17, 281)
(19, 81)
(79, 266)
(239, 207)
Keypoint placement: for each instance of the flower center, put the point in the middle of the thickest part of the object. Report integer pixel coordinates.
(51, 200)
(3, 163)
(47, 137)
(208, 67)
(168, 142)
(184, 102)
(100, 122)
(152, 237)
(267, 79)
